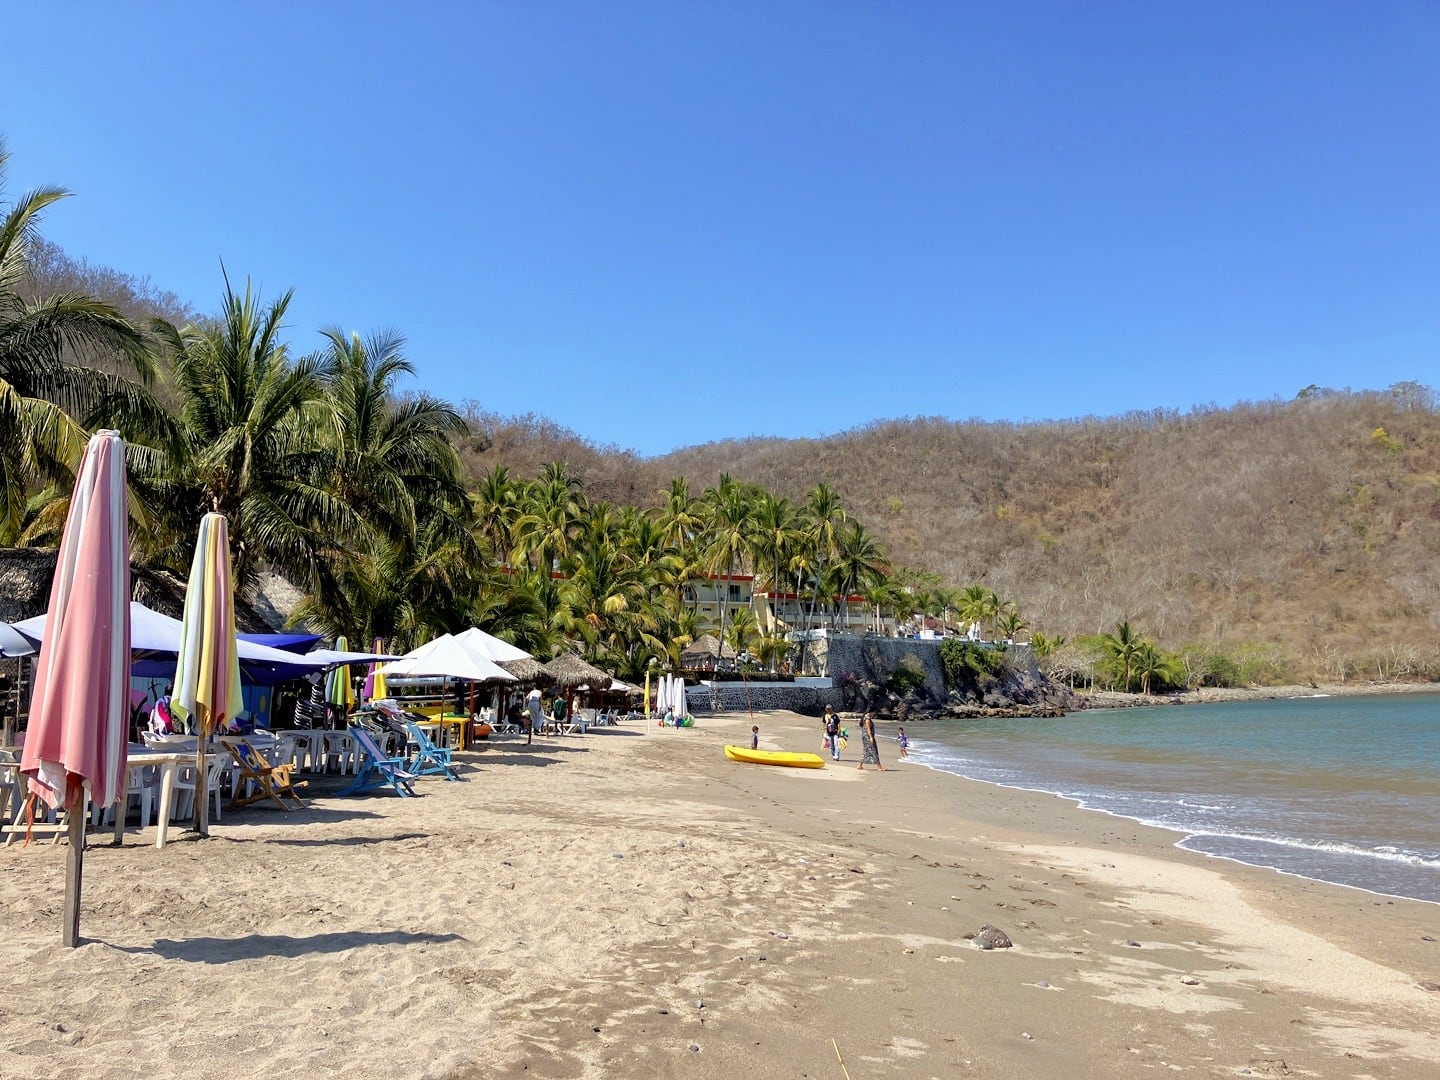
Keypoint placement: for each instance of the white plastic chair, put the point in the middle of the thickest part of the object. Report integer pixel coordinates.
(185, 787)
(339, 746)
(141, 784)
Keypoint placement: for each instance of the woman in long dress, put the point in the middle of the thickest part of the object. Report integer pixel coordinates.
(870, 751)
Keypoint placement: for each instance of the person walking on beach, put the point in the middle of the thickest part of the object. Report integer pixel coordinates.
(871, 754)
(832, 732)
(903, 741)
(532, 706)
(754, 736)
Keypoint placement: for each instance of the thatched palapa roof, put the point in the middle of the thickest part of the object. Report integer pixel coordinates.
(528, 671)
(708, 645)
(570, 671)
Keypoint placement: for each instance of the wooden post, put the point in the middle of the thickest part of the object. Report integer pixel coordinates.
(74, 865)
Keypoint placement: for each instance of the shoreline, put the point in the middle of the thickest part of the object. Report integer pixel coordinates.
(1115, 699)
(1181, 835)
(629, 903)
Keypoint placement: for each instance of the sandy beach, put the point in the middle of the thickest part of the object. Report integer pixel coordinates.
(632, 904)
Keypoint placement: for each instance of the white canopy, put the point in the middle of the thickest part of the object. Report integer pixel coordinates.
(336, 657)
(448, 657)
(491, 647)
(153, 633)
(14, 643)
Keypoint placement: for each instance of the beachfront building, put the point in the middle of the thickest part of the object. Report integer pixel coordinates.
(791, 611)
(782, 610)
(708, 595)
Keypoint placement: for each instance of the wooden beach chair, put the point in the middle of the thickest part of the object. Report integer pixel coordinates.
(376, 769)
(270, 781)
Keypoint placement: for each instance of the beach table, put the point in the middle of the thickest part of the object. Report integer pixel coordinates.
(169, 762)
(139, 757)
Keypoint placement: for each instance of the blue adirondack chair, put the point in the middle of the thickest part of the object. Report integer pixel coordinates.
(376, 769)
(429, 758)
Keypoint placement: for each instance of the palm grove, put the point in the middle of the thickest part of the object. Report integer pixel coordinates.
(355, 493)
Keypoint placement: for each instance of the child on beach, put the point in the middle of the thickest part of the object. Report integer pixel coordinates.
(755, 737)
(903, 741)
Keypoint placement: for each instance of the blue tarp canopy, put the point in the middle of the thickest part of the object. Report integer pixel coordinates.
(296, 643)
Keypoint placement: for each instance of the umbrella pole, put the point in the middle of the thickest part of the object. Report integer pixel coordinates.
(202, 797)
(74, 864)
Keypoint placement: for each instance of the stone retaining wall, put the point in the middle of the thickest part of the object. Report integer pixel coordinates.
(866, 657)
(738, 697)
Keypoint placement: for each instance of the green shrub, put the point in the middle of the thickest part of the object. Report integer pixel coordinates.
(908, 675)
(966, 662)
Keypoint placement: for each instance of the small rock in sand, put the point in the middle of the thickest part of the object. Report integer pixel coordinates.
(991, 937)
(1433, 987)
(1133, 944)
(1190, 980)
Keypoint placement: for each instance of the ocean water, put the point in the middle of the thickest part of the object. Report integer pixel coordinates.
(1340, 789)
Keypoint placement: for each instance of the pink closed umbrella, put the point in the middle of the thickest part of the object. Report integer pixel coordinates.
(79, 711)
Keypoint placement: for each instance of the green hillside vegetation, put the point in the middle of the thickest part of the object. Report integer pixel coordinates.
(1265, 542)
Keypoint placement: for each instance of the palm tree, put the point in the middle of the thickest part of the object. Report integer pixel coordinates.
(47, 401)
(859, 563)
(730, 531)
(826, 512)
(254, 443)
(1123, 648)
(1151, 664)
(549, 520)
(776, 536)
(403, 590)
(1044, 645)
(1009, 623)
(495, 505)
(606, 599)
(743, 632)
(392, 455)
(680, 518)
(979, 604)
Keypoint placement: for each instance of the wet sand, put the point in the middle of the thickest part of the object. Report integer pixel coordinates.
(632, 904)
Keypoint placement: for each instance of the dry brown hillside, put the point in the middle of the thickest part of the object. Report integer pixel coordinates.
(1311, 526)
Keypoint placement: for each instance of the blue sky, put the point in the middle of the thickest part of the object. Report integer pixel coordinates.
(661, 224)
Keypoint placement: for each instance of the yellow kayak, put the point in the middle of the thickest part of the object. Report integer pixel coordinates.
(775, 757)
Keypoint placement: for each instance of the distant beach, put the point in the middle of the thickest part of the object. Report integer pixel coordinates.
(1112, 699)
(632, 904)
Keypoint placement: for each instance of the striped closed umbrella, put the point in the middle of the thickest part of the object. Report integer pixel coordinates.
(339, 691)
(79, 714)
(375, 688)
(207, 670)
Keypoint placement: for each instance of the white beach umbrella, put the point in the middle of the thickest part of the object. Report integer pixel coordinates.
(448, 656)
(491, 647)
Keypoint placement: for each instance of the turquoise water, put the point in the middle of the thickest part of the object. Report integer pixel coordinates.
(1341, 789)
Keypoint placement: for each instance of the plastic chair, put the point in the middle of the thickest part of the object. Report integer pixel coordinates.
(184, 805)
(140, 784)
(339, 746)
